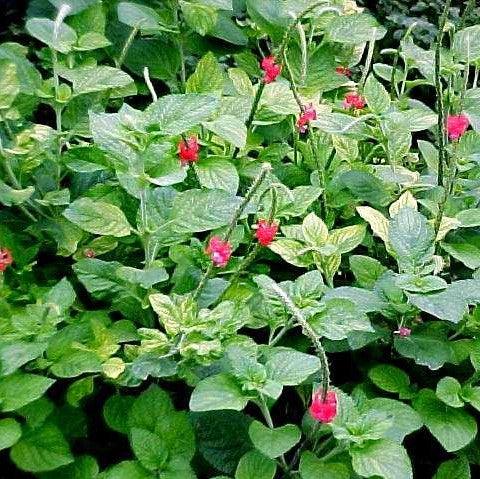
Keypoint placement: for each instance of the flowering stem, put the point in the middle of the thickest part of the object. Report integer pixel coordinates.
(266, 167)
(308, 331)
(253, 110)
(439, 90)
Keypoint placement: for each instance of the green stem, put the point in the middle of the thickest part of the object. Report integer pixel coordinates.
(256, 101)
(466, 14)
(308, 331)
(266, 167)
(439, 91)
(368, 61)
(253, 110)
(268, 419)
(126, 46)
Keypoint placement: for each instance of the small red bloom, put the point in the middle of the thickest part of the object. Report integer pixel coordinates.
(324, 411)
(219, 251)
(272, 70)
(89, 253)
(305, 118)
(457, 125)
(353, 100)
(188, 150)
(403, 332)
(266, 232)
(343, 71)
(6, 259)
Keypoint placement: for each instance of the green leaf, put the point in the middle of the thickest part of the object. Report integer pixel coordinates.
(290, 367)
(9, 83)
(457, 468)
(216, 172)
(128, 470)
(377, 97)
(28, 76)
(148, 448)
(76, 6)
(366, 270)
(449, 391)
(453, 428)
(466, 44)
(311, 467)
(389, 378)
(41, 449)
(229, 128)
(383, 458)
(471, 395)
(405, 420)
(339, 318)
(10, 196)
(450, 304)
(348, 238)
(161, 55)
(10, 433)
(411, 238)
(98, 217)
(43, 29)
(207, 77)
(469, 218)
(79, 390)
(115, 410)
(84, 467)
(175, 114)
(139, 16)
(274, 442)
(355, 29)
(92, 41)
(99, 78)
(426, 349)
(75, 363)
(150, 408)
(254, 465)
(292, 252)
(222, 438)
(19, 389)
(203, 210)
(16, 354)
(218, 392)
(314, 230)
(200, 18)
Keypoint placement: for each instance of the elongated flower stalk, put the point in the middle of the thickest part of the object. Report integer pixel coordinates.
(308, 331)
(266, 167)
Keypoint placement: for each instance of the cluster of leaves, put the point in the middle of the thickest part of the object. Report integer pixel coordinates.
(125, 353)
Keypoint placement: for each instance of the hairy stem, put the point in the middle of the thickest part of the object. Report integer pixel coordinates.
(439, 91)
(126, 46)
(266, 167)
(308, 331)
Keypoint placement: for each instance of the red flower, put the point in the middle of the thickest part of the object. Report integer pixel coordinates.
(457, 125)
(343, 71)
(219, 251)
(305, 118)
(6, 259)
(403, 332)
(271, 69)
(324, 411)
(89, 253)
(188, 150)
(353, 100)
(266, 232)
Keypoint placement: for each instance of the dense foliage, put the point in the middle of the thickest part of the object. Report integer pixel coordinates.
(237, 240)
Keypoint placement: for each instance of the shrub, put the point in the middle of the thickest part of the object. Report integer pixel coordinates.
(234, 246)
